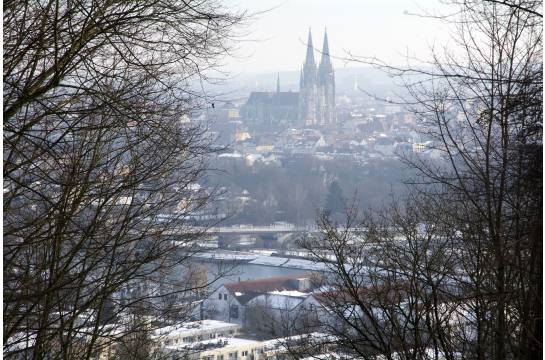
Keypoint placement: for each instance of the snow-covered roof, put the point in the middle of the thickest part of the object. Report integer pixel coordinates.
(220, 342)
(231, 155)
(277, 300)
(192, 327)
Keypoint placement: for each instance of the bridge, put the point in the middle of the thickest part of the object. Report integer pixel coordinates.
(243, 230)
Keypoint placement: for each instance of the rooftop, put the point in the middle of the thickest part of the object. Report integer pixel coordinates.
(192, 327)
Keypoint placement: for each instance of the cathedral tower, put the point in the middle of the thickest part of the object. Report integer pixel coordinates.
(326, 87)
(317, 88)
(307, 86)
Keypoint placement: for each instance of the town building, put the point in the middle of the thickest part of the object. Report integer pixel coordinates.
(228, 112)
(230, 302)
(313, 104)
(271, 107)
(193, 331)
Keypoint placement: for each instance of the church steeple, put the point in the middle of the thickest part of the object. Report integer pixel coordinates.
(317, 87)
(325, 52)
(310, 50)
(278, 84)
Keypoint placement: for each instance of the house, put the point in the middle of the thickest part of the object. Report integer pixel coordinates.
(228, 158)
(230, 302)
(321, 142)
(228, 112)
(242, 349)
(193, 331)
(403, 147)
(252, 158)
(385, 145)
(264, 144)
(239, 136)
(223, 348)
(388, 108)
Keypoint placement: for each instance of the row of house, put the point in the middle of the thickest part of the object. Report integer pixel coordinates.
(271, 149)
(302, 302)
(226, 348)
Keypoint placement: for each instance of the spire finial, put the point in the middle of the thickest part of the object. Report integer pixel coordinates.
(325, 51)
(310, 49)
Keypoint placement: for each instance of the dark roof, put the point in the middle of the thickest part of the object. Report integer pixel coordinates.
(253, 288)
(271, 98)
(228, 106)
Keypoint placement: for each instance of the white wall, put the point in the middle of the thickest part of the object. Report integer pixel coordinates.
(220, 309)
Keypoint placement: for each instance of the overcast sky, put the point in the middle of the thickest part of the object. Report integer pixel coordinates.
(366, 28)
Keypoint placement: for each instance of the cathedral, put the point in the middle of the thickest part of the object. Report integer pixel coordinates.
(314, 104)
(317, 88)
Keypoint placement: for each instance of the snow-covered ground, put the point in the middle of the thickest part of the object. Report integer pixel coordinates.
(306, 265)
(226, 256)
(269, 260)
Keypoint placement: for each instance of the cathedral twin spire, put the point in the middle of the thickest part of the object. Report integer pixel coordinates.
(309, 60)
(317, 87)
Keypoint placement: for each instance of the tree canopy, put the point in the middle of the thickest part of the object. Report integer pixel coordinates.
(334, 199)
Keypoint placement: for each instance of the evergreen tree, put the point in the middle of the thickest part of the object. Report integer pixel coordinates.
(334, 200)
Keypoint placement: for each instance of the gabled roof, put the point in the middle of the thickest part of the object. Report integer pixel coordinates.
(228, 106)
(278, 301)
(248, 290)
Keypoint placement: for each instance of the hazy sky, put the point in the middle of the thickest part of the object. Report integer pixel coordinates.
(367, 28)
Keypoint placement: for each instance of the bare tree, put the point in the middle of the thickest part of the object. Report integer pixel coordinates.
(98, 148)
(454, 270)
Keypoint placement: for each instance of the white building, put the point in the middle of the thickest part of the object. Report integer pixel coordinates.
(230, 302)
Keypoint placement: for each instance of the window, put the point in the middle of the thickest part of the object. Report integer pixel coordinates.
(244, 353)
(234, 311)
(233, 355)
(224, 296)
(219, 296)
(199, 338)
(219, 357)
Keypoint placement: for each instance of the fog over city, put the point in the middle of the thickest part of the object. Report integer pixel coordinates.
(274, 180)
(276, 40)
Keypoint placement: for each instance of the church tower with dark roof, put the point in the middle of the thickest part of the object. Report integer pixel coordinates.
(317, 88)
